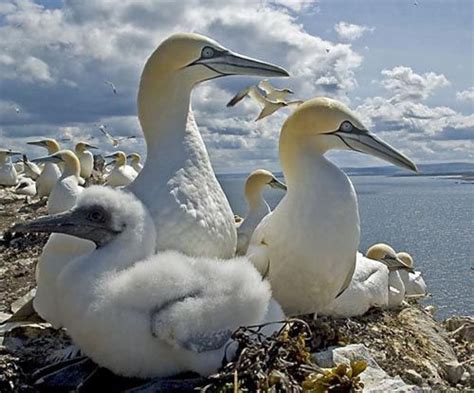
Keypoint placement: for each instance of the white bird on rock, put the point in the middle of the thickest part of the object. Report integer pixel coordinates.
(135, 159)
(121, 174)
(415, 285)
(8, 173)
(257, 207)
(86, 158)
(26, 186)
(141, 315)
(50, 172)
(307, 246)
(30, 168)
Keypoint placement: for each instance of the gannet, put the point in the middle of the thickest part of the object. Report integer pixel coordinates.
(177, 183)
(307, 246)
(368, 288)
(415, 286)
(135, 159)
(257, 207)
(121, 174)
(50, 172)
(114, 89)
(272, 93)
(26, 186)
(268, 106)
(144, 315)
(115, 141)
(386, 254)
(30, 168)
(86, 158)
(8, 173)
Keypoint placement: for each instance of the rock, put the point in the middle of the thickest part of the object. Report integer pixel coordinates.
(456, 322)
(413, 377)
(454, 371)
(374, 378)
(24, 300)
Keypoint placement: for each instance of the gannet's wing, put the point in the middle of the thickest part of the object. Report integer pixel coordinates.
(266, 86)
(238, 97)
(255, 94)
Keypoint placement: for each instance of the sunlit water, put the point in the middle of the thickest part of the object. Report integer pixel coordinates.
(432, 218)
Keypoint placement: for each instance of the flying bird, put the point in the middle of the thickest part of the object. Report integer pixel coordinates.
(272, 93)
(114, 141)
(114, 89)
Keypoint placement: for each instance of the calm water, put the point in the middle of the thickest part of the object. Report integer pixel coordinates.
(432, 218)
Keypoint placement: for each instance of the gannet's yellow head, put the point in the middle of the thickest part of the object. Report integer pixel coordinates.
(82, 146)
(260, 178)
(198, 58)
(405, 257)
(384, 253)
(70, 160)
(119, 157)
(49, 143)
(135, 158)
(329, 124)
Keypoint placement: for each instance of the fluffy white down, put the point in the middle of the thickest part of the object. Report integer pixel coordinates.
(368, 288)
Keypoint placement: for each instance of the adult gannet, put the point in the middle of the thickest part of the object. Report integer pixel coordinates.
(8, 173)
(50, 172)
(268, 106)
(146, 315)
(30, 168)
(368, 288)
(415, 286)
(135, 159)
(86, 158)
(386, 254)
(115, 141)
(307, 246)
(26, 186)
(121, 174)
(177, 183)
(272, 93)
(257, 207)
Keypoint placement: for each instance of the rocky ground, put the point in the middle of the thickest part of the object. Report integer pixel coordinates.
(405, 347)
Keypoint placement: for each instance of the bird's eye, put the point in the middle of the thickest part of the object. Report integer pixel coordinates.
(346, 126)
(96, 215)
(207, 52)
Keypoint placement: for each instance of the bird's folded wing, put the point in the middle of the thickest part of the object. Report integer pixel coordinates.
(238, 97)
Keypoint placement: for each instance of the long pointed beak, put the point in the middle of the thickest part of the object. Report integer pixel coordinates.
(366, 142)
(61, 222)
(396, 264)
(91, 146)
(230, 63)
(277, 184)
(53, 159)
(13, 153)
(37, 143)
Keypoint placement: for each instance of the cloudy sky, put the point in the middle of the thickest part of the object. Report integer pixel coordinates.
(405, 66)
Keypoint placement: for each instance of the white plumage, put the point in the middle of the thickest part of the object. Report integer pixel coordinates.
(50, 172)
(30, 168)
(143, 315)
(135, 159)
(86, 158)
(8, 173)
(121, 174)
(26, 186)
(415, 285)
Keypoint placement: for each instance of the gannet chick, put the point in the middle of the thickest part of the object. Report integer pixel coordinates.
(86, 158)
(415, 286)
(257, 207)
(66, 190)
(386, 254)
(8, 173)
(307, 246)
(30, 168)
(144, 315)
(121, 174)
(367, 289)
(272, 93)
(26, 186)
(135, 159)
(177, 183)
(268, 106)
(50, 172)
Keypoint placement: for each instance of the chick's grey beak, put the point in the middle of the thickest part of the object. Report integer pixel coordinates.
(229, 63)
(277, 184)
(366, 142)
(53, 159)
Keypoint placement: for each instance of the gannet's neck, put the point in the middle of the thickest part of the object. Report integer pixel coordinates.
(254, 197)
(72, 168)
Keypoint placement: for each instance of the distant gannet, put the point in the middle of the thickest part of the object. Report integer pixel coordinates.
(8, 173)
(30, 168)
(114, 89)
(135, 159)
(272, 93)
(386, 254)
(86, 158)
(115, 141)
(148, 316)
(177, 184)
(368, 288)
(121, 174)
(50, 172)
(268, 106)
(257, 207)
(307, 246)
(415, 286)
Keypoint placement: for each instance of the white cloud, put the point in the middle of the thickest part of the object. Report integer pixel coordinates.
(466, 95)
(350, 32)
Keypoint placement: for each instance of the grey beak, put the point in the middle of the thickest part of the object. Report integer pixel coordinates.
(13, 153)
(53, 159)
(37, 143)
(230, 63)
(396, 264)
(91, 146)
(277, 184)
(366, 142)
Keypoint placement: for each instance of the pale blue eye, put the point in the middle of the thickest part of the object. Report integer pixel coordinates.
(346, 126)
(207, 52)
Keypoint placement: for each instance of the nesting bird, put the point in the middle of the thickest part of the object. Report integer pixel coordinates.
(307, 246)
(148, 316)
(50, 172)
(26, 186)
(414, 283)
(30, 168)
(257, 207)
(121, 174)
(86, 158)
(8, 173)
(135, 159)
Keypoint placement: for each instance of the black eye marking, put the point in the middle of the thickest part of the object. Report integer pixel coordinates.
(97, 215)
(346, 126)
(207, 52)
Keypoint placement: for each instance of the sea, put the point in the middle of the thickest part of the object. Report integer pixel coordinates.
(432, 218)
